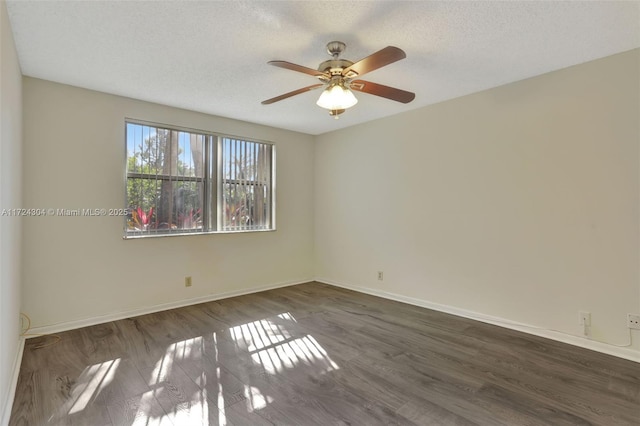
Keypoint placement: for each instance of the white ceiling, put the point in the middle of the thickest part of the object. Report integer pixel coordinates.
(211, 56)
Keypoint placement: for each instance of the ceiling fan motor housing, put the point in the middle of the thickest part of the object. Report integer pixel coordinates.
(334, 66)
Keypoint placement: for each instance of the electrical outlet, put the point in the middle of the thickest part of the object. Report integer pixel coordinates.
(25, 323)
(584, 318)
(380, 275)
(187, 281)
(633, 321)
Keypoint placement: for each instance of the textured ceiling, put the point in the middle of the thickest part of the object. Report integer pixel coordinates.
(211, 56)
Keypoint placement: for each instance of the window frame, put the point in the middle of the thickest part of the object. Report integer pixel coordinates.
(212, 183)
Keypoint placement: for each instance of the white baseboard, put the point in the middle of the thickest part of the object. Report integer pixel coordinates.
(8, 403)
(85, 322)
(620, 352)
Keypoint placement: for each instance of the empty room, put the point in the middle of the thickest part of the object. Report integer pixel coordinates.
(319, 213)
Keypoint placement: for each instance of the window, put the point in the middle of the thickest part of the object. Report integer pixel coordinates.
(183, 181)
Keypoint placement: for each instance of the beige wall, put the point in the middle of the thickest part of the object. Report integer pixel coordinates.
(519, 202)
(79, 268)
(10, 197)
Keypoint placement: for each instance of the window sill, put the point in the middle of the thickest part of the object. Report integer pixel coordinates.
(190, 234)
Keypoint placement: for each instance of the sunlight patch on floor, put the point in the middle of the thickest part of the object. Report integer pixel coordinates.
(258, 334)
(91, 382)
(182, 350)
(269, 342)
(255, 399)
(188, 348)
(287, 316)
(144, 415)
(194, 412)
(222, 414)
(272, 345)
(162, 368)
(301, 351)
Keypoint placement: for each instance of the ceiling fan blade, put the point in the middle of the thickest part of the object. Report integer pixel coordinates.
(299, 68)
(295, 92)
(384, 91)
(383, 57)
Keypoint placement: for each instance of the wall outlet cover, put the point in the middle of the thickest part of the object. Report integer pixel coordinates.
(633, 321)
(584, 318)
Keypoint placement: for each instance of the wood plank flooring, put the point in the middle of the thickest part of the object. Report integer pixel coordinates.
(314, 354)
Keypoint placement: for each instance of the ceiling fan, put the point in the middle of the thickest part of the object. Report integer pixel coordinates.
(338, 77)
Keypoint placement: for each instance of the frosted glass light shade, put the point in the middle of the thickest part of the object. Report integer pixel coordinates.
(337, 97)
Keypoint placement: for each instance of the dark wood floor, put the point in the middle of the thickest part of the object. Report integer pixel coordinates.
(314, 354)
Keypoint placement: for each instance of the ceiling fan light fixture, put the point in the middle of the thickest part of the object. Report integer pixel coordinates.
(337, 97)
